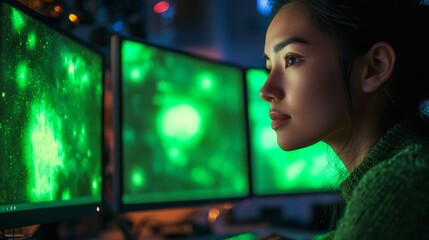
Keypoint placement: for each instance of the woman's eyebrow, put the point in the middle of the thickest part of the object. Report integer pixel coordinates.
(279, 46)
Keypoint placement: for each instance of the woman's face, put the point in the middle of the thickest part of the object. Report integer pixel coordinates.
(304, 87)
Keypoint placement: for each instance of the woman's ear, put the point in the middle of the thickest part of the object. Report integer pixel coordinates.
(378, 65)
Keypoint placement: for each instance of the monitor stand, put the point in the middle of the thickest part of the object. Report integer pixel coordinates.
(47, 231)
(124, 226)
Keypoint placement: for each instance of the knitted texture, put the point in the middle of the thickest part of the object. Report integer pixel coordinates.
(387, 195)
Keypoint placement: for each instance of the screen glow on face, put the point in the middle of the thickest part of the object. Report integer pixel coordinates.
(275, 171)
(50, 116)
(183, 127)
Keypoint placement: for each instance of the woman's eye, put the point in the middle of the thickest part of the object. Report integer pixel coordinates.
(291, 60)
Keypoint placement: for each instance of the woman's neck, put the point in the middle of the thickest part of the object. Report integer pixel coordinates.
(355, 144)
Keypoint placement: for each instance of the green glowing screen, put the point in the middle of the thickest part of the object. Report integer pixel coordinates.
(50, 116)
(183, 127)
(312, 169)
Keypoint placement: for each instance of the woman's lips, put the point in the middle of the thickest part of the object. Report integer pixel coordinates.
(278, 119)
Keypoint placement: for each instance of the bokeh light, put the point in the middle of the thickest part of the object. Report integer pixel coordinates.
(161, 7)
(181, 122)
(31, 42)
(18, 21)
(263, 7)
(45, 155)
(73, 18)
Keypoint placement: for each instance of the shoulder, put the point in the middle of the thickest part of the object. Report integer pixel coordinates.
(404, 171)
(391, 199)
(411, 158)
(414, 152)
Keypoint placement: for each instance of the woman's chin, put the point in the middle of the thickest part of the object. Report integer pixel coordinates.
(290, 145)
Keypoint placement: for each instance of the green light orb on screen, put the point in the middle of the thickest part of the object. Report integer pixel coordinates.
(201, 176)
(31, 42)
(18, 21)
(293, 171)
(176, 155)
(136, 74)
(95, 185)
(206, 83)
(66, 195)
(22, 74)
(45, 153)
(268, 138)
(138, 178)
(205, 80)
(181, 122)
(139, 62)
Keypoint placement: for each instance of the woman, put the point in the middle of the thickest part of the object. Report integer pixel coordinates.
(353, 73)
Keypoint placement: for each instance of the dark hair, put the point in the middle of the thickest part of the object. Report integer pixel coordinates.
(358, 24)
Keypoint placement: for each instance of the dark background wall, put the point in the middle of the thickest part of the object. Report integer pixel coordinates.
(226, 30)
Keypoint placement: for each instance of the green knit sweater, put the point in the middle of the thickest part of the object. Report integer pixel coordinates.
(387, 195)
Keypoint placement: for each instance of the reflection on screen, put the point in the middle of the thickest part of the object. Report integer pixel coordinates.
(51, 117)
(183, 127)
(315, 168)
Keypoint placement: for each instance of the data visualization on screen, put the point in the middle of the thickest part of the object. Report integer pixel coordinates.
(275, 171)
(51, 95)
(183, 127)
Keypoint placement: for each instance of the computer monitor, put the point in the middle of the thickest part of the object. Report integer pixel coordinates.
(276, 172)
(51, 104)
(181, 128)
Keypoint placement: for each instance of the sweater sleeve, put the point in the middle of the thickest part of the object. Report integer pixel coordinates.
(390, 202)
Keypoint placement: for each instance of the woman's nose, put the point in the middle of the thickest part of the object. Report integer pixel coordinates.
(272, 89)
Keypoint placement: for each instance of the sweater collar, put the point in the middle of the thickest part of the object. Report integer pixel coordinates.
(392, 142)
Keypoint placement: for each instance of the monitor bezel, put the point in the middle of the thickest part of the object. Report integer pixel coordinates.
(40, 216)
(116, 69)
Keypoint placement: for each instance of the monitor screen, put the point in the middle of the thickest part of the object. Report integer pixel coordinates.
(276, 172)
(51, 96)
(183, 127)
